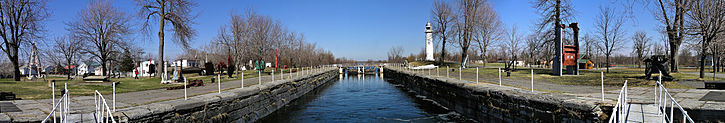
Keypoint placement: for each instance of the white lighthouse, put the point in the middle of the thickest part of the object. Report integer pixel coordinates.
(428, 43)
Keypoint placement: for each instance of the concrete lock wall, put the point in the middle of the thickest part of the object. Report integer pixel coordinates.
(491, 103)
(245, 105)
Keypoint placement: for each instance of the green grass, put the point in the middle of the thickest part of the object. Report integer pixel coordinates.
(40, 89)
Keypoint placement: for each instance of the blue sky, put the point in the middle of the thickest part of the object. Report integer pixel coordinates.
(357, 29)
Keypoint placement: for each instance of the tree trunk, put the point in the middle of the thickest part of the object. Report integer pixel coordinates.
(674, 49)
(443, 53)
(702, 59)
(607, 65)
(16, 67)
(160, 66)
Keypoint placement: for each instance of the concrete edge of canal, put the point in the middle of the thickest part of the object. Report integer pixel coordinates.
(246, 104)
(489, 102)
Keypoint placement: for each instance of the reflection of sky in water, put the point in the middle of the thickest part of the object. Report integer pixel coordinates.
(356, 98)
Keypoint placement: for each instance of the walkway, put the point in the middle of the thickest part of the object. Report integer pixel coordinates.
(37, 110)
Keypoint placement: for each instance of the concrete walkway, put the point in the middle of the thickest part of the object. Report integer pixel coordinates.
(37, 110)
(707, 75)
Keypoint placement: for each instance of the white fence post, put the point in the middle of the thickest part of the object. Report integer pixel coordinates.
(219, 82)
(499, 76)
(53, 94)
(447, 74)
(459, 73)
(114, 97)
(438, 73)
(602, 74)
(259, 76)
(242, 79)
(532, 80)
(185, 88)
(272, 75)
(476, 75)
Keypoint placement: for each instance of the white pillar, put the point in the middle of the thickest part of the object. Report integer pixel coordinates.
(532, 80)
(114, 97)
(185, 88)
(459, 73)
(447, 75)
(242, 79)
(259, 76)
(602, 75)
(476, 75)
(219, 82)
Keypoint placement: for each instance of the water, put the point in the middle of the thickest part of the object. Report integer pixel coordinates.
(361, 99)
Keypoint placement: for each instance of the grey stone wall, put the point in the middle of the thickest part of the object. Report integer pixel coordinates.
(491, 103)
(246, 105)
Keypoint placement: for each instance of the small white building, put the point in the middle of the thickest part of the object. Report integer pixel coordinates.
(185, 63)
(88, 67)
(144, 68)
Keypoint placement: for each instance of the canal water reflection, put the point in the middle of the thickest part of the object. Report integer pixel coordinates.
(356, 98)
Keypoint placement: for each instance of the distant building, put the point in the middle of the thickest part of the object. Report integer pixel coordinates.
(185, 63)
(88, 68)
(144, 68)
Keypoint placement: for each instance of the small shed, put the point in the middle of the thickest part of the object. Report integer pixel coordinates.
(586, 64)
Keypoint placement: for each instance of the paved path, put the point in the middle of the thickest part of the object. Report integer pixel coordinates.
(707, 75)
(642, 113)
(36, 110)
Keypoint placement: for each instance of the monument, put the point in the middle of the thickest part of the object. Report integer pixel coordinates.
(657, 64)
(428, 43)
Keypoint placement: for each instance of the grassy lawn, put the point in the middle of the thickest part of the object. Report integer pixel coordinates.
(635, 77)
(40, 89)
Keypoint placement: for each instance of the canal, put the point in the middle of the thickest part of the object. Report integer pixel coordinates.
(366, 98)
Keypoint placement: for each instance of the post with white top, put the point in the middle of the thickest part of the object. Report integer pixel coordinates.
(114, 97)
(499, 76)
(476, 75)
(219, 83)
(532, 80)
(602, 74)
(259, 76)
(447, 75)
(185, 88)
(272, 75)
(52, 84)
(242, 79)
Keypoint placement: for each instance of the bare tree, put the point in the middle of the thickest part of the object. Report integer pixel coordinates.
(553, 13)
(443, 20)
(706, 19)
(609, 27)
(488, 30)
(178, 12)
(513, 44)
(533, 44)
(395, 55)
(641, 46)
(674, 26)
(21, 21)
(69, 48)
(104, 28)
(465, 25)
(588, 45)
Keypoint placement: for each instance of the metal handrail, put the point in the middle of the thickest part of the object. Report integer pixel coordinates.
(621, 106)
(662, 96)
(63, 110)
(103, 112)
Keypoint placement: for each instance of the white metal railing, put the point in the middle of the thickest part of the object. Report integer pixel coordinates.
(619, 111)
(103, 112)
(662, 98)
(60, 107)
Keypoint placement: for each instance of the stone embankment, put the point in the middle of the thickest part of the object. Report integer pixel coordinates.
(489, 102)
(246, 104)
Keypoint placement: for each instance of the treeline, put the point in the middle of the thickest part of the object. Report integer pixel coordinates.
(250, 37)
